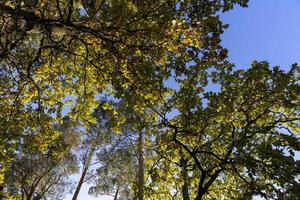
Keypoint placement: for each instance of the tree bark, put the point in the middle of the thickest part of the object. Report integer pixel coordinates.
(116, 195)
(84, 172)
(140, 178)
(185, 187)
(200, 195)
(1, 192)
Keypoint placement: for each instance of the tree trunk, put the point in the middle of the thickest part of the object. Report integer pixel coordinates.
(140, 178)
(184, 175)
(116, 195)
(34, 186)
(200, 195)
(1, 192)
(29, 196)
(185, 187)
(84, 172)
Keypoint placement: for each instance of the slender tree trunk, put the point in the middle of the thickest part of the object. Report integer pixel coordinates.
(200, 195)
(29, 196)
(116, 195)
(140, 178)
(184, 175)
(1, 192)
(84, 172)
(79, 185)
(185, 187)
(202, 190)
(34, 186)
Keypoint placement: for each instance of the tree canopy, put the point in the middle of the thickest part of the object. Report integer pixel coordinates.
(83, 88)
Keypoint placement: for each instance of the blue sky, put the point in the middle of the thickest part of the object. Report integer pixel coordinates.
(266, 30)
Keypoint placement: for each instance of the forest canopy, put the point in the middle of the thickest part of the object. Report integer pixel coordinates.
(83, 91)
